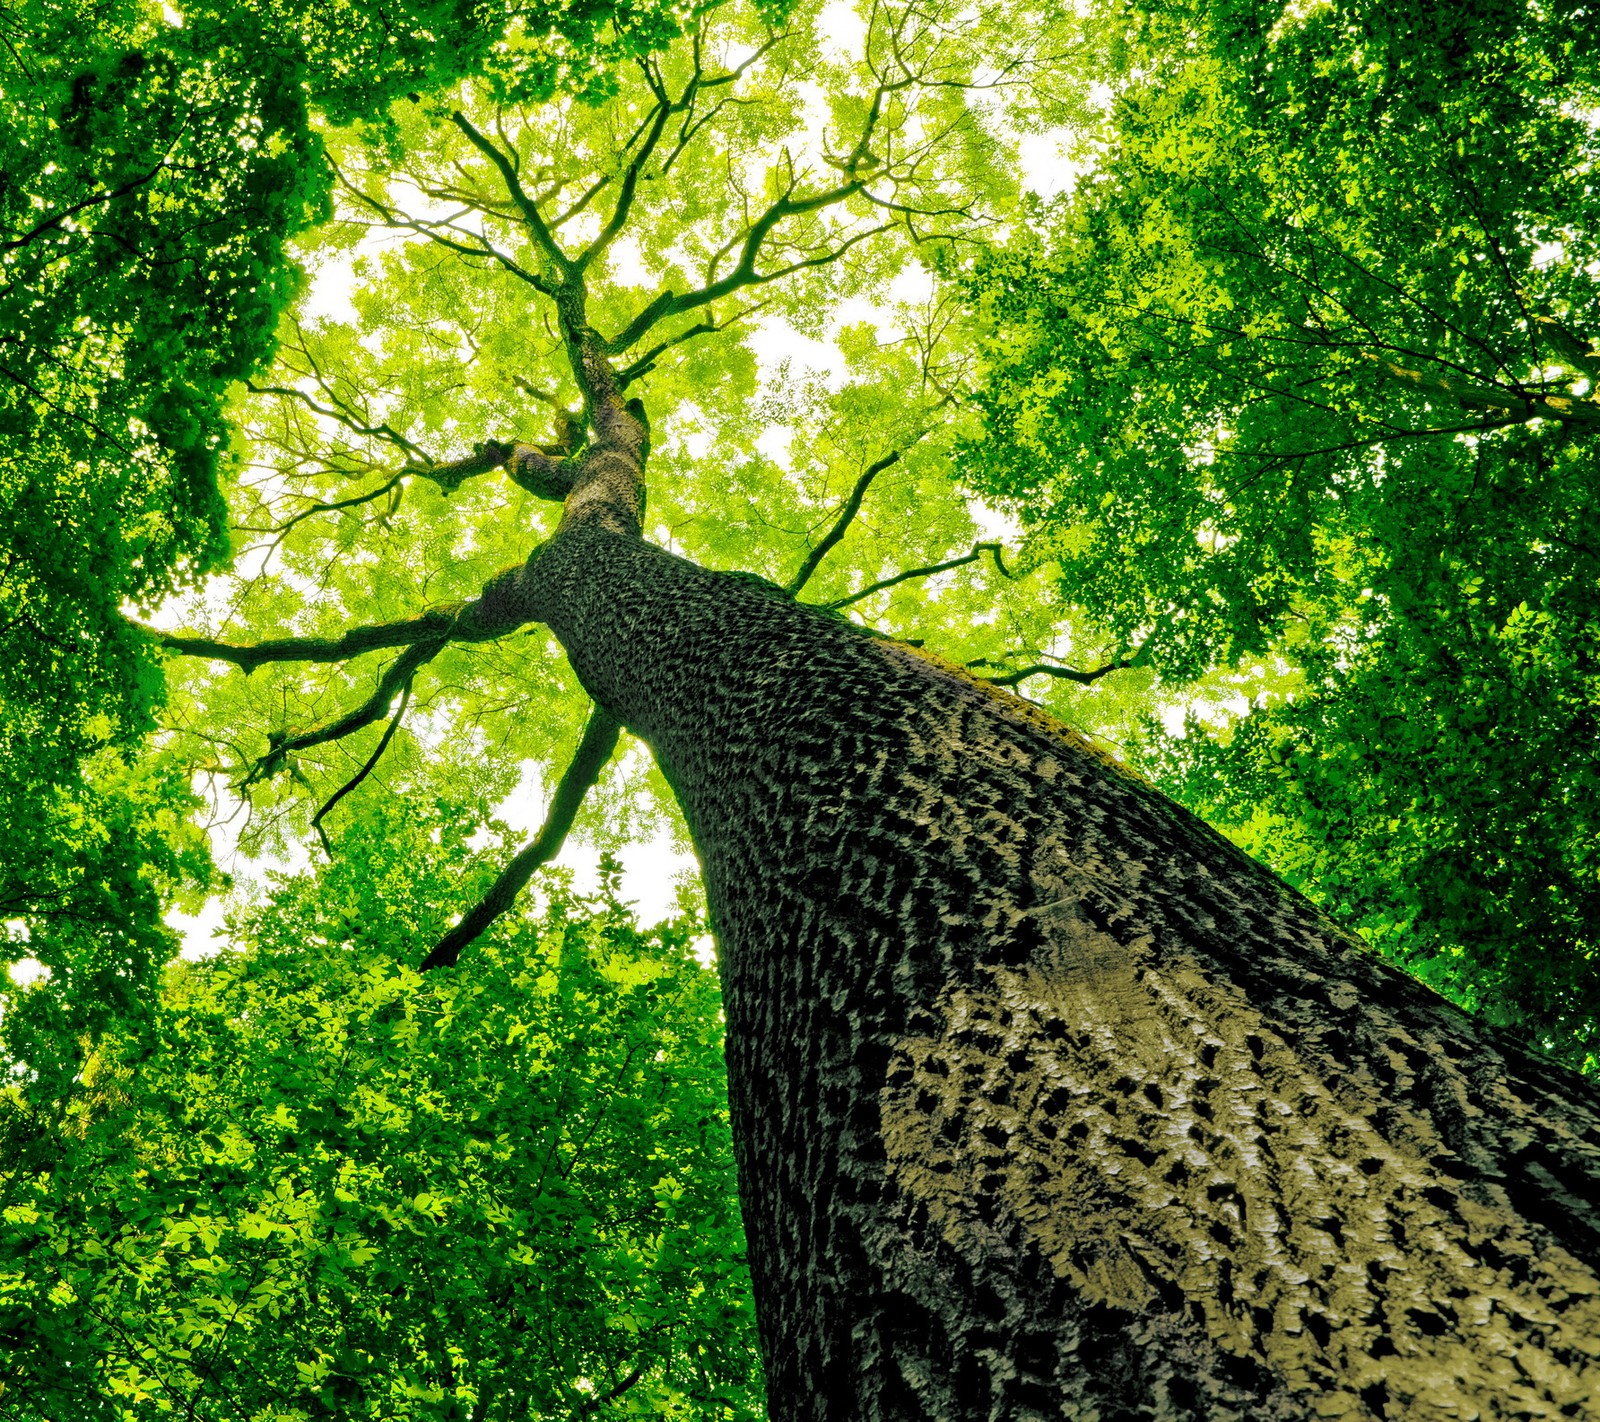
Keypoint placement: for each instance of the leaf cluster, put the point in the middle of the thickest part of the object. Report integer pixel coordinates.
(154, 167)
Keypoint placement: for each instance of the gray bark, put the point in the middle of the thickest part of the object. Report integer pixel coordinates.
(1048, 1101)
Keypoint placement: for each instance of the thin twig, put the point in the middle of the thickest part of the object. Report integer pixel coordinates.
(978, 550)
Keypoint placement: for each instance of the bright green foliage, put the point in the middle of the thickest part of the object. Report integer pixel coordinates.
(101, 861)
(324, 1186)
(1299, 380)
(152, 173)
(446, 335)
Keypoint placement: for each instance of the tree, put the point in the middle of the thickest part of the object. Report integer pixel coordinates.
(1301, 379)
(156, 166)
(1045, 1098)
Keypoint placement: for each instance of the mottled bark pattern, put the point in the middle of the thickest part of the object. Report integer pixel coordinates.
(1049, 1102)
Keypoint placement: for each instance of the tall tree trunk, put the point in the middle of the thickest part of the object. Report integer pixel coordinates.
(1049, 1102)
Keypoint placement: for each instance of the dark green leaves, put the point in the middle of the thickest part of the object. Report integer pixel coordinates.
(1301, 379)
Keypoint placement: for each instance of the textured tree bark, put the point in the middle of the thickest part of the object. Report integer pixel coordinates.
(1050, 1103)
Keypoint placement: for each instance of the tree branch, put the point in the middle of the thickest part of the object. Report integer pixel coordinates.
(670, 303)
(390, 218)
(349, 421)
(94, 200)
(709, 327)
(1577, 352)
(366, 770)
(852, 506)
(541, 474)
(437, 625)
(281, 745)
(484, 619)
(1526, 405)
(525, 204)
(1087, 678)
(594, 1404)
(978, 550)
(594, 750)
(353, 502)
(630, 179)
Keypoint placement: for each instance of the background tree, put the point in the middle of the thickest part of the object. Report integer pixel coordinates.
(155, 167)
(353, 1192)
(1299, 380)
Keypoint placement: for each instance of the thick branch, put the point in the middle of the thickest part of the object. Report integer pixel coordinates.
(483, 619)
(599, 740)
(978, 550)
(1568, 409)
(281, 745)
(438, 624)
(525, 204)
(541, 474)
(1087, 678)
(670, 303)
(453, 473)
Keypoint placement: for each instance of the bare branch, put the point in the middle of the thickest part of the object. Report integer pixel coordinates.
(365, 771)
(978, 550)
(594, 750)
(852, 506)
(440, 623)
(1087, 678)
